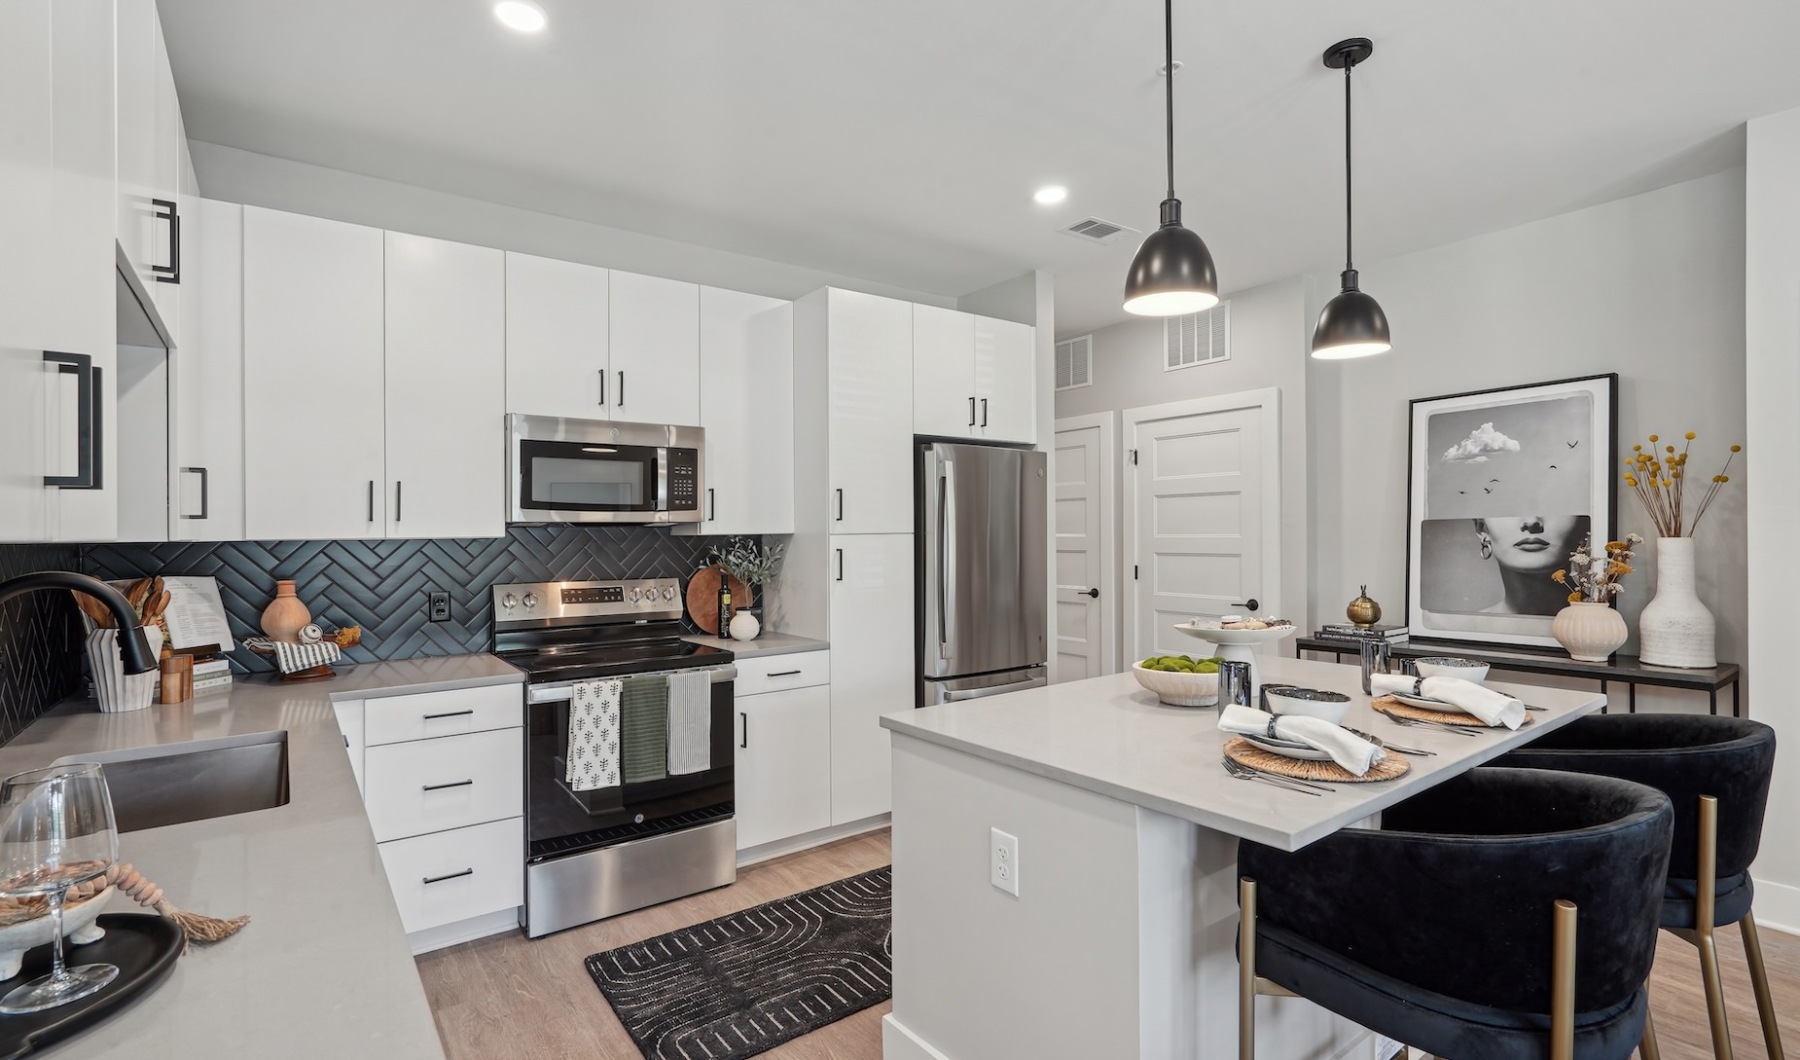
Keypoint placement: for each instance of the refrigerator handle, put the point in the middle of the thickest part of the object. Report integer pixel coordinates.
(946, 557)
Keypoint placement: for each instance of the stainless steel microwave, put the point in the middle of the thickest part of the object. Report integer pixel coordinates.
(593, 471)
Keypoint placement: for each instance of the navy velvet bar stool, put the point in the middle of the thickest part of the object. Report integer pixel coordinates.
(1507, 914)
(1717, 771)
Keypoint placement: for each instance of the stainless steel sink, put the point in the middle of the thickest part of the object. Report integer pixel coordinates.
(173, 783)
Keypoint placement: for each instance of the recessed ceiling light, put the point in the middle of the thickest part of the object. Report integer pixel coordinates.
(522, 15)
(1050, 194)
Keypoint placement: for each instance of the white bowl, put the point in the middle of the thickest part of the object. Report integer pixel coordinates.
(1210, 631)
(1309, 703)
(78, 926)
(1178, 689)
(1450, 666)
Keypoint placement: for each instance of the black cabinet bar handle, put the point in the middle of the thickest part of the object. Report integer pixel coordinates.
(840, 558)
(712, 506)
(396, 500)
(971, 412)
(840, 504)
(602, 386)
(452, 784)
(166, 210)
(621, 401)
(205, 490)
(451, 876)
(371, 500)
(785, 673)
(87, 420)
(744, 741)
(449, 714)
(984, 412)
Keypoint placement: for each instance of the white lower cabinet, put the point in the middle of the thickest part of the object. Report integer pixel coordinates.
(446, 877)
(872, 624)
(783, 765)
(435, 785)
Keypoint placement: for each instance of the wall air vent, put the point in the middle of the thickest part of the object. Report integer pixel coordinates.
(1097, 230)
(1075, 363)
(1197, 338)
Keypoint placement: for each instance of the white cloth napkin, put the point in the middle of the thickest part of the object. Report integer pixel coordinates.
(1345, 748)
(593, 755)
(1491, 707)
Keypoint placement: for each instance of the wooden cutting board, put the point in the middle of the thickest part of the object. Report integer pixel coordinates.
(703, 598)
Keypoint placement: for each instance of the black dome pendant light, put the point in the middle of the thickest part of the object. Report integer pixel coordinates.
(1352, 324)
(1173, 272)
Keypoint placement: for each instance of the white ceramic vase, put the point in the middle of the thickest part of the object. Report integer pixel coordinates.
(1588, 631)
(745, 626)
(1676, 629)
(114, 689)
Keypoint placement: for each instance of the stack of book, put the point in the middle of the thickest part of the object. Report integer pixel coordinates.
(1346, 631)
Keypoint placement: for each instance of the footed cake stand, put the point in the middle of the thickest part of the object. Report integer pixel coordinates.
(1236, 645)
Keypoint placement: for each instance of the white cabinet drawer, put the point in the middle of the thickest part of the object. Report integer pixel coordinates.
(773, 673)
(456, 875)
(424, 715)
(434, 785)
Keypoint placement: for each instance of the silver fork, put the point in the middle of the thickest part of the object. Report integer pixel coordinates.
(1437, 725)
(1379, 742)
(1244, 772)
(1308, 784)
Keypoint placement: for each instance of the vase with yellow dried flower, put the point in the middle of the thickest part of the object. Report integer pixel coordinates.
(1589, 628)
(1676, 629)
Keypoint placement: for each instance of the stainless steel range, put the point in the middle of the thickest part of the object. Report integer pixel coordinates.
(597, 853)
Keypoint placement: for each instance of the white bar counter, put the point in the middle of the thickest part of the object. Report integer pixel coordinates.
(1121, 942)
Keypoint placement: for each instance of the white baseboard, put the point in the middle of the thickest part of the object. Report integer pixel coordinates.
(1777, 906)
(469, 930)
(898, 1043)
(794, 844)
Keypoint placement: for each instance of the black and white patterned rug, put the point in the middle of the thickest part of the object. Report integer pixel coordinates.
(745, 983)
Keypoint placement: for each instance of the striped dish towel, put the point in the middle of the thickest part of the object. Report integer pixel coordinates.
(592, 760)
(644, 728)
(292, 658)
(690, 723)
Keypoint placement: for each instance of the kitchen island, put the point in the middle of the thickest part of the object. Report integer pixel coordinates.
(323, 969)
(1121, 939)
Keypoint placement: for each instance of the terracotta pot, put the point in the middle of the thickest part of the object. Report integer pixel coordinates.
(1588, 631)
(283, 618)
(1676, 629)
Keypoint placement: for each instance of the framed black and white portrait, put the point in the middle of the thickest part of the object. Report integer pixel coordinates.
(1503, 485)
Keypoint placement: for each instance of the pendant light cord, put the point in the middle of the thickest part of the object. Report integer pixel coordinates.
(1169, 88)
(1348, 266)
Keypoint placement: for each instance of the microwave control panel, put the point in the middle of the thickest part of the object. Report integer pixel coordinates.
(684, 480)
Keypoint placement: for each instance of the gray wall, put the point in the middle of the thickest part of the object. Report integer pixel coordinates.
(233, 175)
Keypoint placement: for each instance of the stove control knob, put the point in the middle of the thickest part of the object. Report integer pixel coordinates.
(636, 595)
(668, 592)
(530, 601)
(509, 601)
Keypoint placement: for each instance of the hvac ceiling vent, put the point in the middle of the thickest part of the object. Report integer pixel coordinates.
(1075, 363)
(1197, 338)
(1096, 230)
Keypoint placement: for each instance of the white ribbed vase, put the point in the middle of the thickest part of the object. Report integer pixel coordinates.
(1588, 631)
(1676, 629)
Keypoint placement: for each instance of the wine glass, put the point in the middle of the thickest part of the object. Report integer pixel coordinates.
(56, 831)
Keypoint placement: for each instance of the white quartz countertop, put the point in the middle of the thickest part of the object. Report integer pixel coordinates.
(1110, 736)
(323, 969)
(767, 643)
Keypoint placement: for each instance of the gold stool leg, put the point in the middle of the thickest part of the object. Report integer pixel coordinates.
(1759, 978)
(1246, 969)
(1562, 981)
(1707, 887)
(1647, 1048)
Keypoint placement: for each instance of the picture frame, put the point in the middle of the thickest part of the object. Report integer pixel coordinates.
(1502, 485)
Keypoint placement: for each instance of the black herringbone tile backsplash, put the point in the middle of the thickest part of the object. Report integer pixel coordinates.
(379, 585)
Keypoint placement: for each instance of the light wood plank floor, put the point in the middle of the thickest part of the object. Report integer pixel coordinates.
(503, 997)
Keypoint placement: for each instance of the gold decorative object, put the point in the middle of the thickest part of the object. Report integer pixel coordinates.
(1362, 610)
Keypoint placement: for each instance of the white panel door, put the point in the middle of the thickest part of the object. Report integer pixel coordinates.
(1084, 603)
(655, 349)
(1006, 380)
(556, 338)
(313, 394)
(747, 408)
(1203, 541)
(869, 354)
(872, 634)
(445, 386)
(209, 360)
(944, 401)
(783, 765)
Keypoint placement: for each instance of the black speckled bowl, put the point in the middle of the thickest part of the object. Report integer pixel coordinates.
(1310, 703)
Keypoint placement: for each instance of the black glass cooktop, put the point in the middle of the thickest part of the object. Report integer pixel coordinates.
(579, 662)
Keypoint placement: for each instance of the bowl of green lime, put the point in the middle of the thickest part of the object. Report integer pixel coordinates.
(1180, 680)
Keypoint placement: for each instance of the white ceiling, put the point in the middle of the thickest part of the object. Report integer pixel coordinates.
(901, 141)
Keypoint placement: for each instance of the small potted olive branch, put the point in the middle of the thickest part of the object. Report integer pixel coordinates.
(1593, 575)
(749, 561)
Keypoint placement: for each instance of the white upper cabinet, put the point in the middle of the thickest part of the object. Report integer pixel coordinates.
(869, 390)
(1006, 380)
(135, 87)
(445, 386)
(556, 338)
(208, 362)
(747, 408)
(944, 400)
(313, 393)
(655, 349)
(170, 148)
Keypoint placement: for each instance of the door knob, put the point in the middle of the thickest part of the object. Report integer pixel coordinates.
(1249, 605)
(1091, 593)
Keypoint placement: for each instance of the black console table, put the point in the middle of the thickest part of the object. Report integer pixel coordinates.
(1624, 669)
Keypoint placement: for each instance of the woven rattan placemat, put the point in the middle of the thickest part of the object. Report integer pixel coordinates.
(1446, 717)
(1243, 751)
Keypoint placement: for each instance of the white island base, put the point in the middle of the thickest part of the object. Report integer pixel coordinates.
(1122, 939)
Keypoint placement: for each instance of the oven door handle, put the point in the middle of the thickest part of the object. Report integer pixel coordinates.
(563, 691)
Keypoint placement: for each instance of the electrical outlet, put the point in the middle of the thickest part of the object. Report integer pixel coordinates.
(437, 606)
(1003, 861)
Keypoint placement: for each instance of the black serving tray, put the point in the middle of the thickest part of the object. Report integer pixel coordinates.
(144, 947)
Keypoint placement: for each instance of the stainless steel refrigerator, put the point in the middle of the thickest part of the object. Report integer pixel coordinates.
(983, 584)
